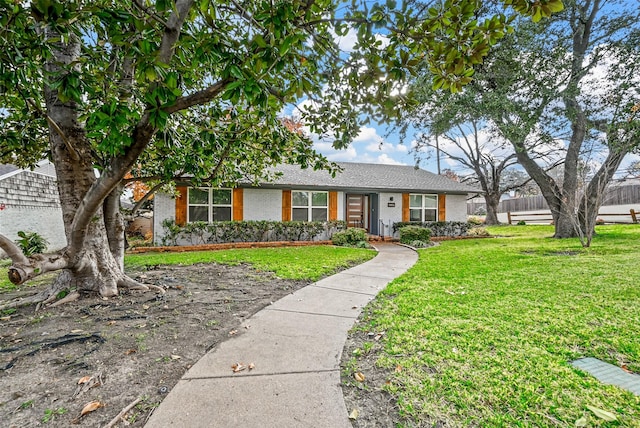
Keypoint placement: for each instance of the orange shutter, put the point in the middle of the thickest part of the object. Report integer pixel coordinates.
(181, 205)
(238, 204)
(286, 205)
(442, 207)
(405, 207)
(333, 206)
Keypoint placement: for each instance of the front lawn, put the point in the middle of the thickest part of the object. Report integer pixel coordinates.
(304, 263)
(481, 332)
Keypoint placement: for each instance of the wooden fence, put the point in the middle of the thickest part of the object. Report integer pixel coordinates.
(547, 217)
(614, 195)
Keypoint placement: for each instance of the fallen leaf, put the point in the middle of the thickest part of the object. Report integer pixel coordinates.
(379, 336)
(111, 322)
(252, 366)
(130, 351)
(358, 376)
(602, 414)
(354, 414)
(398, 368)
(238, 367)
(626, 369)
(91, 407)
(582, 422)
(232, 332)
(84, 379)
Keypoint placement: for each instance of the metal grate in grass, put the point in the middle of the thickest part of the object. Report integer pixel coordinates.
(609, 374)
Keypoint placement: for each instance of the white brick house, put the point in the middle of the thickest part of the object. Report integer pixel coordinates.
(371, 196)
(29, 202)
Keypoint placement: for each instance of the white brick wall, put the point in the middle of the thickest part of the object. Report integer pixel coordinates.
(456, 208)
(262, 204)
(164, 207)
(45, 221)
(31, 204)
(266, 204)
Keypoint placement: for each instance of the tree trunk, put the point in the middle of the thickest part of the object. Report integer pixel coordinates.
(92, 267)
(565, 223)
(115, 226)
(492, 203)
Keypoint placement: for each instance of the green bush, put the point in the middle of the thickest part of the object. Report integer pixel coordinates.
(352, 237)
(439, 228)
(410, 234)
(200, 232)
(522, 223)
(31, 243)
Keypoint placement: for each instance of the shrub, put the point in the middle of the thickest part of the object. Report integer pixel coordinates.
(421, 244)
(246, 231)
(439, 228)
(478, 231)
(522, 223)
(475, 220)
(352, 237)
(31, 243)
(410, 234)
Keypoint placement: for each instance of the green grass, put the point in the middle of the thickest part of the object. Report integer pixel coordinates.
(298, 263)
(481, 332)
(304, 263)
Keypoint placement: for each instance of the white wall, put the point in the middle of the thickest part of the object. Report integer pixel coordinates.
(31, 204)
(456, 208)
(262, 204)
(45, 221)
(164, 207)
(387, 214)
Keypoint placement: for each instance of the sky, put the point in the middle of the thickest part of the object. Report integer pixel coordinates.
(380, 144)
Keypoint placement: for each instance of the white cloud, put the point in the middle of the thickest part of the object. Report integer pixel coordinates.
(347, 42)
(368, 134)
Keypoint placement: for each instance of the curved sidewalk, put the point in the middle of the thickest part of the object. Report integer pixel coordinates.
(296, 345)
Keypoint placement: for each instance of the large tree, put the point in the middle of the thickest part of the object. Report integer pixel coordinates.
(105, 88)
(457, 127)
(572, 79)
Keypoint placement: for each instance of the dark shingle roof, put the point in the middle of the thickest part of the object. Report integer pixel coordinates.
(369, 177)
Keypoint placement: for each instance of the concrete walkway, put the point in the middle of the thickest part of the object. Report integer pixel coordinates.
(296, 346)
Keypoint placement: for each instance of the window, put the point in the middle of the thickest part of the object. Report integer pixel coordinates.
(309, 206)
(206, 204)
(423, 207)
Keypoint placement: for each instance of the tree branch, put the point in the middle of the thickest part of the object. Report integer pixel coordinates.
(198, 98)
(13, 251)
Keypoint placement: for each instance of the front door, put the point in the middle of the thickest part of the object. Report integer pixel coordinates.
(356, 211)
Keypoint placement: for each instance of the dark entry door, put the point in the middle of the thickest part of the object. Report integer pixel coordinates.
(356, 205)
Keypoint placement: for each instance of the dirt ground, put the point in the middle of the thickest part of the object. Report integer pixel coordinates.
(103, 355)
